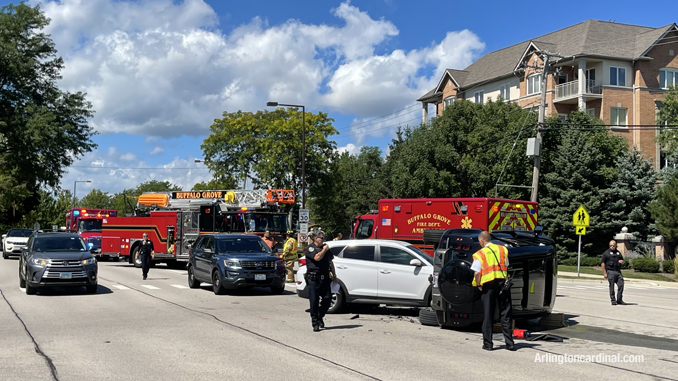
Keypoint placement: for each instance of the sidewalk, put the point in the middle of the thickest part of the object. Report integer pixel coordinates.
(591, 277)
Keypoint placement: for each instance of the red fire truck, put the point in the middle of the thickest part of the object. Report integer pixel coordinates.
(174, 220)
(88, 222)
(406, 219)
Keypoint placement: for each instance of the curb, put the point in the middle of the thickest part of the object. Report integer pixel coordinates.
(591, 277)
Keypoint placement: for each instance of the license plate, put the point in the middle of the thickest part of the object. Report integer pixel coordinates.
(66, 275)
(259, 276)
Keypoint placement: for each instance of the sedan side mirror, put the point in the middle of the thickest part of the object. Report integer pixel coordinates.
(416, 262)
(538, 230)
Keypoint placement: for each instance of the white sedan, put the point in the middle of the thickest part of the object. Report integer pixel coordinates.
(376, 271)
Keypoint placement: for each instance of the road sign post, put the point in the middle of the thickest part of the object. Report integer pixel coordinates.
(580, 220)
(304, 219)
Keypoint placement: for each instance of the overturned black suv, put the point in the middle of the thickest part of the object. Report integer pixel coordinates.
(455, 302)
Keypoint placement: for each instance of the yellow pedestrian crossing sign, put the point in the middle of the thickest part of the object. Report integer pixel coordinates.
(581, 230)
(580, 217)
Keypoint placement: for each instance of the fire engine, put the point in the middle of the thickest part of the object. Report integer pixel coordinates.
(88, 222)
(407, 219)
(174, 220)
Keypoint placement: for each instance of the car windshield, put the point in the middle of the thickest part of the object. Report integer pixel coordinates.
(20, 233)
(260, 222)
(242, 245)
(426, 257)
(89, 225)
(68, 243)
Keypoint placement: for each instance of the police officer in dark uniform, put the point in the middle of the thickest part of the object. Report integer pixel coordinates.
(319, 266)
(147, 254)
(611, 264)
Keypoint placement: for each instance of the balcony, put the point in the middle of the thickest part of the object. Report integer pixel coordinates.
(569, 92)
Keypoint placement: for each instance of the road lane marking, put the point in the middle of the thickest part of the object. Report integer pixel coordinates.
(121, 287)
(148, 286)
(179, 286)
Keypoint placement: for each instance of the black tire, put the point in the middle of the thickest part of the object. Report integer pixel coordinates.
(30, 290)
(427, 316)
(432, 237)
(136, 257)
(92, 288)
(192, 282)
(22, 280)
(277, 290)
(337, 302)
(217, 287)
(4, 255)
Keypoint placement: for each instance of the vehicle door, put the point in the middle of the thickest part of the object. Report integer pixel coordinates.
(402, 275)
(197, 258)
(357, 269)
(206, 258)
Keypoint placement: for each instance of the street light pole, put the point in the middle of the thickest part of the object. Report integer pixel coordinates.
(75, 184)
(303, 148)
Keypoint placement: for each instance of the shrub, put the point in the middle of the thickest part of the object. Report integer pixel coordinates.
(591, 261)
(569, 262)
(669, 266)
(675, 266)
(646, 265)
(627, 263)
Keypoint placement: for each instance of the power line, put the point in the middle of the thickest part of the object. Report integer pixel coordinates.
(382, 128)
(161, 168)
(380, 117)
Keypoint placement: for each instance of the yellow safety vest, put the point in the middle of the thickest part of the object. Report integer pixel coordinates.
(490, 269)
(290, 248)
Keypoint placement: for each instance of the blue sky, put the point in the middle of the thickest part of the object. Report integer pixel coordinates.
(159, 71)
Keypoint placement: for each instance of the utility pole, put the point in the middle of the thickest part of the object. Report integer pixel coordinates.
(540, 124)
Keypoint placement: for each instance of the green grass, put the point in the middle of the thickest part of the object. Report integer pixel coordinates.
(627, 273)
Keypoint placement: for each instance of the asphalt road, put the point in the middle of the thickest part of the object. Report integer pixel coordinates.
(160, 329)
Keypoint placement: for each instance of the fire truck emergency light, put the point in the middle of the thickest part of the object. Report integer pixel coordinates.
(76, 213)
(244, 208)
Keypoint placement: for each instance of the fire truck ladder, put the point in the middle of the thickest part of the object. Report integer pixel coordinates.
(256, 198)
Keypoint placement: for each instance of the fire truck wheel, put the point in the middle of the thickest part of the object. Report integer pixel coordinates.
(192, 282)
(217, 287)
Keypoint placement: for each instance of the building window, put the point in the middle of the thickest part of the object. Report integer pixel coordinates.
(617, 76)
(591, 112)
(563, 118)
(668, 77)
(562, 78)
(478, 96)
(505, 92)
(534, 84)
(617, 116)
(449, 100)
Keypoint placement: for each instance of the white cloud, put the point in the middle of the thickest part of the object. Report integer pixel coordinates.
(162, 68)
(351, 148)
(157, 151)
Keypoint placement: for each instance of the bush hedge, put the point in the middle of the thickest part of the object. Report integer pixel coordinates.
(645, 265)
(585, 261)
(669, 266)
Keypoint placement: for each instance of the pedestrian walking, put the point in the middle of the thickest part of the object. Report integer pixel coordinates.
(490, 265)
(290, 255)
(319, 266)
(611, 263)
(147, 253)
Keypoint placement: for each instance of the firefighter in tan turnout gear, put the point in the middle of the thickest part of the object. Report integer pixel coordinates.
(290, 255)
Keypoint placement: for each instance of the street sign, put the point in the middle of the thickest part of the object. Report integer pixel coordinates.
(303, 216)
(303, 228)
(581, 230)
(303, 238)
(580, 217)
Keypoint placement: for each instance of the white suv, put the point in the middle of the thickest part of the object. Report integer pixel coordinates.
(377, 271)
(14, 241)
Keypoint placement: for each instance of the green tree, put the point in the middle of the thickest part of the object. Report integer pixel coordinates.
(668, 115)
(50, 211)
(96, 199)
(628, 197)
(42, 128)
(267, 146)
(217, 183)
(462, 153)
(664, 209)
(578, 167)
(354, 188)
(125, 201)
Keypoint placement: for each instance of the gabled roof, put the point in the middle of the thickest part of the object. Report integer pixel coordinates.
(591, 37)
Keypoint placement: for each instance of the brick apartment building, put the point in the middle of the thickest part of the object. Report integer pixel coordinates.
(616, 72)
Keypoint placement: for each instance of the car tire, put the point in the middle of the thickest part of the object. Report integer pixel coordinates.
(30, 290)
(427, 316)
(217, 286)
(192, 282)
(136, 257)
(277, 290)
(92, 288)
(22, 280)
(337, 302)
(4, 255)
